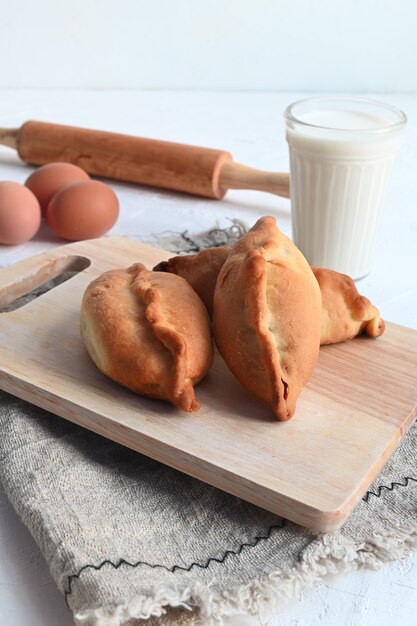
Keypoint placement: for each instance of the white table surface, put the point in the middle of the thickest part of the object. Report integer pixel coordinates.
(250, 126)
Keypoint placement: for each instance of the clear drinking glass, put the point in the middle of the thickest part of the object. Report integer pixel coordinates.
(341, 153)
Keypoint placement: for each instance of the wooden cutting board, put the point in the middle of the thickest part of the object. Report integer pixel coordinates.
(313, 469)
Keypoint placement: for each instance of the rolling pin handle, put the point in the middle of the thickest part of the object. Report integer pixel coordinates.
(8, 137)
(237, 176)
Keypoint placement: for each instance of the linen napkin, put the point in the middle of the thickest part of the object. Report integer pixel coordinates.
(129, 539)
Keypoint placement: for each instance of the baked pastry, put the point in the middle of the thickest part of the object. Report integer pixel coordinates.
(199, 270)
(267, 316)
(149, 332)
(346, 313)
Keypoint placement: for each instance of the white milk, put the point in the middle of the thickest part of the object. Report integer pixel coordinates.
(341, 152)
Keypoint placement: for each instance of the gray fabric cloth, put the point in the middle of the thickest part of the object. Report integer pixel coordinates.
(126, 537)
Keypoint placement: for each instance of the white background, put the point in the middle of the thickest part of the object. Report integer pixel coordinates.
(285, 45)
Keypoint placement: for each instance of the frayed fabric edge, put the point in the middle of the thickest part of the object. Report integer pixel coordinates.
(328, 554)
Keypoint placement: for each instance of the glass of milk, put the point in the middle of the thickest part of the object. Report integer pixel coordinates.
(341, 152)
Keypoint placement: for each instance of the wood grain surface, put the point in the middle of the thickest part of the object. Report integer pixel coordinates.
(164, 164)
(313, 469)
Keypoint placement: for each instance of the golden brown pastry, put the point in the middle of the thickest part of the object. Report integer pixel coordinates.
(345, 312)
(267, 316)
(200, 270)
(149, 332)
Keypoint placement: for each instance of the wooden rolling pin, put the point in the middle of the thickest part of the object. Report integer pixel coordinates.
(199, 171)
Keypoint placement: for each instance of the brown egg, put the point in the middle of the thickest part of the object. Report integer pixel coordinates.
(83, 210)
(46, 181)
(20, 213)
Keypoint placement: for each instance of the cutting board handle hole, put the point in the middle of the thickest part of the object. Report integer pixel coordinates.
(38, 280)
